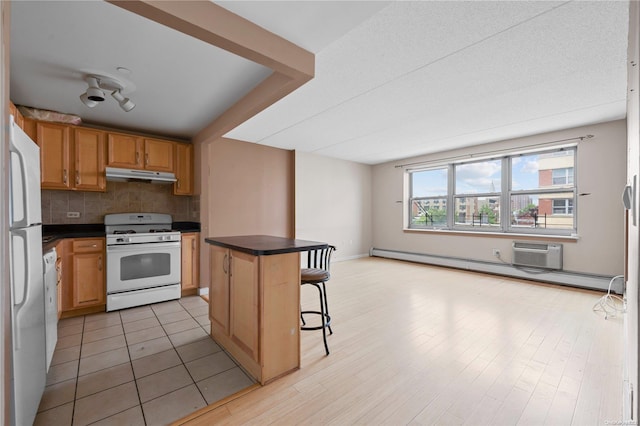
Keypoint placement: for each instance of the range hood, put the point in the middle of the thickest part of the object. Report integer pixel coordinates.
(129, 175)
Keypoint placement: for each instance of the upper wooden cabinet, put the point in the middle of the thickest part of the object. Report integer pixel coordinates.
(88, 149)
(124, 151)
(70, 157)
(55, 155)
(134, 152)
(184, 170)
(158, 155)
(74, 157)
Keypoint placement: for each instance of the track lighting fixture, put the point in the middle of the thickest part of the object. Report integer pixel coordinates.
(96, 92)
(125, 103)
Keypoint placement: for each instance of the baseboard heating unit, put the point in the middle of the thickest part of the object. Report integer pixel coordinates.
(573, 279)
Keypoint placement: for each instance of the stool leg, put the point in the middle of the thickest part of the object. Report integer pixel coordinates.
(324, 328)
(326, 307)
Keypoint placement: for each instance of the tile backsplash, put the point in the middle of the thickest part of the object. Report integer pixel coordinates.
(121, 197)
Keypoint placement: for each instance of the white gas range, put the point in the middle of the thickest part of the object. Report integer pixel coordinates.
(143, 259)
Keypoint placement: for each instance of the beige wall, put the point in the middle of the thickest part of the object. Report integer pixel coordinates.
(120, 197)
(245, 189)
(333, 203)
(600, 171)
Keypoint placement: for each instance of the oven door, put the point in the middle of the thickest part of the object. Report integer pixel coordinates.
(138, 266)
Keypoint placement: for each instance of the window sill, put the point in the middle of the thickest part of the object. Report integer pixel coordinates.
(489, 234)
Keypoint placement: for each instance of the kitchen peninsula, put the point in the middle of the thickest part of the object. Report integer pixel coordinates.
(254, 301)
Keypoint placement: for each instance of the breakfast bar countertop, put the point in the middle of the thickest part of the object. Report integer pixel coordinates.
(264, 245)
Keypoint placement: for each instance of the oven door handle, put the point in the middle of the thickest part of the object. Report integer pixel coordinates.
(143, 246)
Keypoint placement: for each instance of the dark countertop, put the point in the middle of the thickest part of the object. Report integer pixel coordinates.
(264, 245)
(52, 233)
(186, 226)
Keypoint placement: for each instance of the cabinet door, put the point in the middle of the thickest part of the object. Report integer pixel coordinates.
(184, 170)
(89, 160)
(88, 279)
(124, 151)
(190, 261)
(158, 155)
(244, 325)
(53, 139)
(219, 288)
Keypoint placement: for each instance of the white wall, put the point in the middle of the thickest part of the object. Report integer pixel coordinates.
(600, 171)
(333, 203)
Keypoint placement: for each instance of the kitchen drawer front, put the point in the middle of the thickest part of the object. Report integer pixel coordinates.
(87, 245)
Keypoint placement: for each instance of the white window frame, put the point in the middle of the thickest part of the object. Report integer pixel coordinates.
(504, 195)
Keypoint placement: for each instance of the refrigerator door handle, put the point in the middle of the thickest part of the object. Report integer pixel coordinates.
(26, 204)
(21, 222)
(26, 273)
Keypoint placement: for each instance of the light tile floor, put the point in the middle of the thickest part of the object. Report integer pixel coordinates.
(148, 365)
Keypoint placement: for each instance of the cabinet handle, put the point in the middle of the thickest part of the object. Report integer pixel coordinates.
(77, 178)
(224, 264)
(137, 157)
(89, 246)
(100, 263)
(178, 183)
(146, 159)
(64, 176)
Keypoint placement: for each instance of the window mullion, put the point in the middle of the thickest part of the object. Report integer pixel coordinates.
(451, 205)
(505, 196)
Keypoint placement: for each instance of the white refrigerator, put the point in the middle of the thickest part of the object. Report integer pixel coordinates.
(27, 288)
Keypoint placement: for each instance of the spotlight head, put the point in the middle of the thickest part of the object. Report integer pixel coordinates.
(125, 103)
(94, 94)
(88, 102)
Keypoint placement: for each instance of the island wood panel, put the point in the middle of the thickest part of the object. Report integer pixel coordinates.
(255, 310)
(280, 278)
(244, 312)
(219, 290)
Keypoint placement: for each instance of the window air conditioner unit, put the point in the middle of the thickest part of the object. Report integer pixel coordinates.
(537, 255)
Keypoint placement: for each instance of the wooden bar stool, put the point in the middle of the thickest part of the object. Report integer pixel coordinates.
(317, 274)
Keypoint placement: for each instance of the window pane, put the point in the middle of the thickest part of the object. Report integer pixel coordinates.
(562, 176)
(477, 211)
(429, 183)
(537, 171)
(429, 212)
(562, 206)
(478, 178)
(550, 211)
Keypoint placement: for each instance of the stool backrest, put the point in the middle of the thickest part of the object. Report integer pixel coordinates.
(320, 259)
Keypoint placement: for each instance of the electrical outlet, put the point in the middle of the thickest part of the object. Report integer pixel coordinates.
(496, 252)
(73, 214)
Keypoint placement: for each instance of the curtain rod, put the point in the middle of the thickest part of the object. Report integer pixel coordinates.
(489, 153)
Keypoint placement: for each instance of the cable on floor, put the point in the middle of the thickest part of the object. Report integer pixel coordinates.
(610, 304)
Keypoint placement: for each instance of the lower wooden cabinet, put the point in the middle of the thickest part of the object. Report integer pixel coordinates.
(190, 266)
(83, 284)
(254, 310)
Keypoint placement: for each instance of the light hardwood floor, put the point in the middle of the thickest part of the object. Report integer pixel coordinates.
(415, 344)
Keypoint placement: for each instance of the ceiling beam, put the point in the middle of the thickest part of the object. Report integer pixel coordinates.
(213, 24)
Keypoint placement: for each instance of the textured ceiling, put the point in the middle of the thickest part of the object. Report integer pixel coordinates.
(421, 77)
(393, 79)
